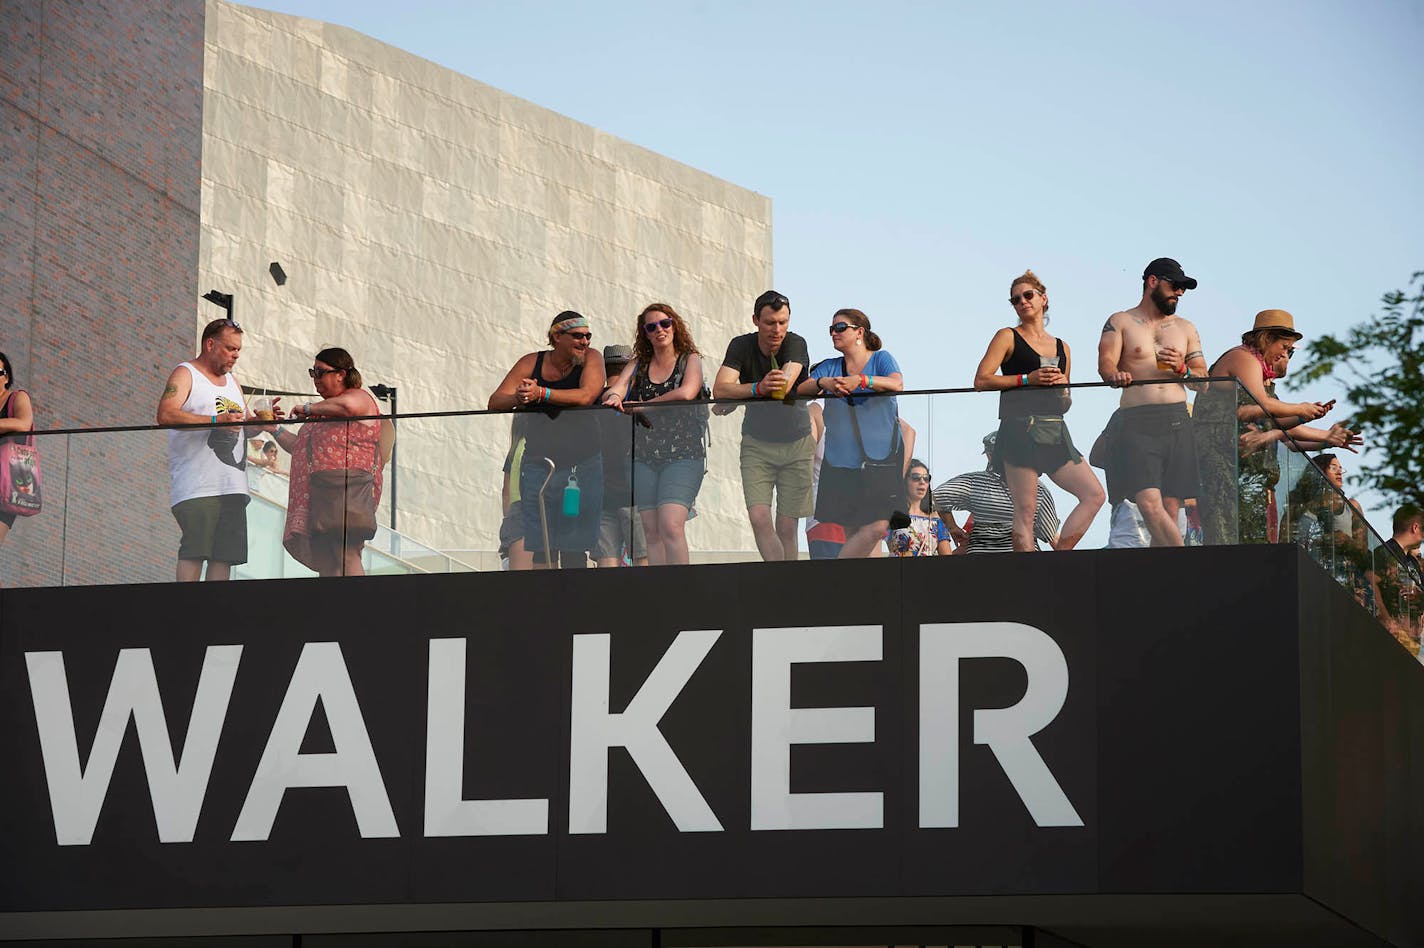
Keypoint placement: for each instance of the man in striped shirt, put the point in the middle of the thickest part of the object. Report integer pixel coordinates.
(986, 496)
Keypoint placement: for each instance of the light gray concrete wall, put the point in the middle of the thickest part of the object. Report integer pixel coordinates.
(433, 225)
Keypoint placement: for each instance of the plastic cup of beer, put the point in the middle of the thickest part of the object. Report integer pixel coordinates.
(779, 391)
(262, 408)
(1048, 362)
(1162, 364)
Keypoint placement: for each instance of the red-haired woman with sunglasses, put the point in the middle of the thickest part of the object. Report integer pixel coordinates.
(1024, 363)
(670, 452)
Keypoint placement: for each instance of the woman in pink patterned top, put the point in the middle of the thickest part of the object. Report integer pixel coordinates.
(336, 470)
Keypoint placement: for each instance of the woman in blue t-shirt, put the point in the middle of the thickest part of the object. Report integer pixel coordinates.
(862, 476)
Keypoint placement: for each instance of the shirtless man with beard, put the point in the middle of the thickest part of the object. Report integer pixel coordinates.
(1153, 459)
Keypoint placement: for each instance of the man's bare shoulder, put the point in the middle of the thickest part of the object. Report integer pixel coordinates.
(1120, 320)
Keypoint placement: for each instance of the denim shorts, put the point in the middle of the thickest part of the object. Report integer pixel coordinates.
(667, 482)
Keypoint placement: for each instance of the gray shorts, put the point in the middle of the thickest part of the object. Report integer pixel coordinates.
(621, 529)
(511, 528)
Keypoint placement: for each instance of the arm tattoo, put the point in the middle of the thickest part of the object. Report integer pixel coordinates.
(1195, 354)
(1108, 326)
(169, 390)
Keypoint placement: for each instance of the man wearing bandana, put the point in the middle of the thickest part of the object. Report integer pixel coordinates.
(561, 475)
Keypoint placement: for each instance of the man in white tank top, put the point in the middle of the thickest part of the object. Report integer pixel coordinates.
(207, 469)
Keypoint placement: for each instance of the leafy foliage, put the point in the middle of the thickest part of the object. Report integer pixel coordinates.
(1381, 364)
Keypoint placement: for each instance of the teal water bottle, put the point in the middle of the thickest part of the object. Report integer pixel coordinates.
(571, 497)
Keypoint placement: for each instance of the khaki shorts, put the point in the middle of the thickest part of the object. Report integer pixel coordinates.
(782, 466)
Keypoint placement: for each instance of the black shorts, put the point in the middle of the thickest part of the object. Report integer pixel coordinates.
(214, 528)
(1155, 448)
(1037, 442)
(853, 497)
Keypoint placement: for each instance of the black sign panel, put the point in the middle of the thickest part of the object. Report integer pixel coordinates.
(986, 725)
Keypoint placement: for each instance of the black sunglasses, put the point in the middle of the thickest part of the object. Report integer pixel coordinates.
(918, 478)
(1290, 353)
(582, 336)
(1025, 297)
(318, 373)
(657, 324)
(841, 327)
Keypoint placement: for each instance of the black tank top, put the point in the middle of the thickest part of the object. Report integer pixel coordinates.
(1029, 400)
(568, 438)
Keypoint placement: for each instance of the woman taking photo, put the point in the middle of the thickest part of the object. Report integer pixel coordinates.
(927, 534)
(336, 469)
(670, 457)
(561, 473)
(1033, 437)
(862, 474)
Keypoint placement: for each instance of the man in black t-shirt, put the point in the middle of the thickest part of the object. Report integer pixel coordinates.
(1400, 577)
(777, 447)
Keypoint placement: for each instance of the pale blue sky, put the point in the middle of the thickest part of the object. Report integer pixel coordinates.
(919, 155)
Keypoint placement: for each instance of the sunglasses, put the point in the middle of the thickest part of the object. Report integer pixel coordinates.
(1024, 297)
(657, 324)
(1171, 285)
(3, 373)
(318, 373)
(581, 336)
(1290, 353)
(918, 478)
(841, 327)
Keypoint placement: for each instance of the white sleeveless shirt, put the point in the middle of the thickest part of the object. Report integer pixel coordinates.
(195, 468)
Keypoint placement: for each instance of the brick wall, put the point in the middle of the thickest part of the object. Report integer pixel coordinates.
(100, 142)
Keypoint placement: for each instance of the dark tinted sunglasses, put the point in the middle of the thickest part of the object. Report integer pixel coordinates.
(318, 373)
(657, 324)
(1025, 296)
(582, 336)
(840, 327)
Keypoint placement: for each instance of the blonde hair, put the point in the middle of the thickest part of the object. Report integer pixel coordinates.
(1031, 278)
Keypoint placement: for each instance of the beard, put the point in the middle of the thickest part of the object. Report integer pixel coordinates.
(1166, 303)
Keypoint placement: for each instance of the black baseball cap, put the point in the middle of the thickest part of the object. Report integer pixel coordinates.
(1165, 268)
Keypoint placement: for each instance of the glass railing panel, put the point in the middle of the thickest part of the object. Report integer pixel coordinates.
(117, 511)
(758, 487)
(1133, 458)
(107, 514)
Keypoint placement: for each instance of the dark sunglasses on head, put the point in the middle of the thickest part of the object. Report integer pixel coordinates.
(318, 373)
(840, 327)
(918, 478)
(1024, 297)
(582, 336)
(657, 324)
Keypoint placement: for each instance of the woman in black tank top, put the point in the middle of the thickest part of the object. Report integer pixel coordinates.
(567, 376)
(1022, 364)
